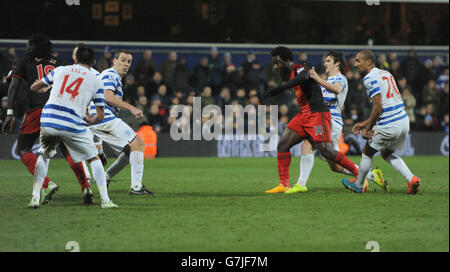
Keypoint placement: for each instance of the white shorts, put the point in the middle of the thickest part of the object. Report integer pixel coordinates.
(116, 133)
(80, 145)
(391, 136)
(336, 131)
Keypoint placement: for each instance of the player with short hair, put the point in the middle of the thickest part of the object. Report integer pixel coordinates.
(386, 128)
(115, 132)
(334, 91)
(311, 123)
(97, 142)
(36, 64)
(64, 120)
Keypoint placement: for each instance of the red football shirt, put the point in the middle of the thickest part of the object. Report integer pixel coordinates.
(309, 94)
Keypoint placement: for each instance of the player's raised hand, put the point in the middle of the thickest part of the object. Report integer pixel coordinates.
(137, 112)
(8, 125)
(313, 74)
(358, 127)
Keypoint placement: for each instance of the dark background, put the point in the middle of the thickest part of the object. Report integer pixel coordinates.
(244, 21)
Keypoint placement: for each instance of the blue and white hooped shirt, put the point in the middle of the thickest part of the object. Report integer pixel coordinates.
(111, 81)
(336, 101)
(74, 87)
(381, 82)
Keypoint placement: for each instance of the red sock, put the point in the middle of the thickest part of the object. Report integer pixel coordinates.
(343, 161)
(29, 159)
(284, 160)
(78, 169)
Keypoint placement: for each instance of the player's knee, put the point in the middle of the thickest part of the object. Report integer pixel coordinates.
(327, 154)
(279, 146)
(307, 148)
(326, 150)
(386, 154)
(369, 151)
(282, 146)
(137, 145)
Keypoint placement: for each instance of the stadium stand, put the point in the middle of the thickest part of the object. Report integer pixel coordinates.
(166, 74)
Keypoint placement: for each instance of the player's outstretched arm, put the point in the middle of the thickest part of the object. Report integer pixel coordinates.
(303, 76)
(39, 86)
(111, 99)
(300, 78)
(332, 87)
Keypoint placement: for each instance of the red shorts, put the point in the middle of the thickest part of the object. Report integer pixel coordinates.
(31, 122)
(315, 125)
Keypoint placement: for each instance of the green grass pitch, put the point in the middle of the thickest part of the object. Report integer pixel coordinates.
(212, 204)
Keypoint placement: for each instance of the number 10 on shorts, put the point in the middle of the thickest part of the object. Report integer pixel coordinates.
(318, 130)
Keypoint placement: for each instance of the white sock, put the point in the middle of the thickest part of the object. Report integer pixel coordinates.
(118, 165)
(400, 166)
(364, 168)
(99, 175)
(137, 169)
(86, 170)
(306, 165)
(40, 172)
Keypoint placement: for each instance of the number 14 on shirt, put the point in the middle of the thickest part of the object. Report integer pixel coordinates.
(72, 88)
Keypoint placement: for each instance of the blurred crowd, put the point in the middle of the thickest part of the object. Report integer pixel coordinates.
(219, 81)
(423, 85)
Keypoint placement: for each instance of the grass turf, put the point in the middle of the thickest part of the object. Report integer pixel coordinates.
(212, 204)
